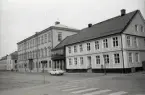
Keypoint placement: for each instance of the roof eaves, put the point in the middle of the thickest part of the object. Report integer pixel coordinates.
(94, 38)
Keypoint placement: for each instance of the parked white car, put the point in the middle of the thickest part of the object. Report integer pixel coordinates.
(56, 72)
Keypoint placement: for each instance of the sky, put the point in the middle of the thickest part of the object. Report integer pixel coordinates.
(20, 19)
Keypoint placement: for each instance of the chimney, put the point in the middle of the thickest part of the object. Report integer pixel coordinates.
(123, 12)
(57, 22)
(89, 25)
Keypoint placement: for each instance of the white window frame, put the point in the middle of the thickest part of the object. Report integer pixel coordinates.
(98, 59)
(106, 58)
(137, 57)
(105, 43)
(135, 42)
(128, 41)
(130, 60)
(75, 48)
(70, 61)
(69, 49)
(97, 45)
(81, 47)
(45, 35)
(116, 58)
(136, 28)
(75, 61)
(115, 42)
(59, 36)
(88, 47)
(81, 60)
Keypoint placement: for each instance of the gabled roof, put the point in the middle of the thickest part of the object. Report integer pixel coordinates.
(109, 27)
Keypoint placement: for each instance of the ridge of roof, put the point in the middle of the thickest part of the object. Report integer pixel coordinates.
(108, 27)
(49, 28)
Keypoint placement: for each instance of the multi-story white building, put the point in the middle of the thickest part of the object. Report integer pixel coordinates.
(114, 45)
(34, 52)
(12, 61)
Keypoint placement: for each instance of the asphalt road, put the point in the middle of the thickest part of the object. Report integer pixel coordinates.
(12, 83)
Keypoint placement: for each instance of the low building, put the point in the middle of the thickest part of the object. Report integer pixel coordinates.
(34, 52)
(12, 61)
(114, 45)
(3, 63)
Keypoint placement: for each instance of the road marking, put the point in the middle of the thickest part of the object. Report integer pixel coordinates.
(97, 92)
(85, 90)
(118, 93)
(73, 89)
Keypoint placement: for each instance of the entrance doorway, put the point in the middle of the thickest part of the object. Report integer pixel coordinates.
(89, 64)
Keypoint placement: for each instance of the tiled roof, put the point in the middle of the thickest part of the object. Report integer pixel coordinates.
(111, 26)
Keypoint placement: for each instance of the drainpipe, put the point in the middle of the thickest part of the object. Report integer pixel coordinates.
(123, 71)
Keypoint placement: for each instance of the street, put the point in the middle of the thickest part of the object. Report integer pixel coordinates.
(12, 83)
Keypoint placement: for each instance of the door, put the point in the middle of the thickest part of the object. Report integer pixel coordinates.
(89, 64)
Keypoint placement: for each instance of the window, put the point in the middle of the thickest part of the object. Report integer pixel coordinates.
(45, 38)
(45, 51)
(136, 28)
(81, 61)
(137, 57)
(105, 43)
(81, 48)
(98, 59)
(50, 64)
(33, 42)
(96, 45)
(135, 42)
(69, 49)
(75, 48)
(59, 36)
(116, 58)
(130, 57)
(142, 28)
(39, 65)
(128, 41)
(88, 47)
(75, 61)
(70, 61)
(38, 40)
(115, 41)
(49, 36)
(42, 39)
(106, 59)
(41, 52)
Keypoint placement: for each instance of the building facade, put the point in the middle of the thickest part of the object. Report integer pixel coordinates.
(12, 61)
(3, 63)
(114, 45)
(34, 53)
